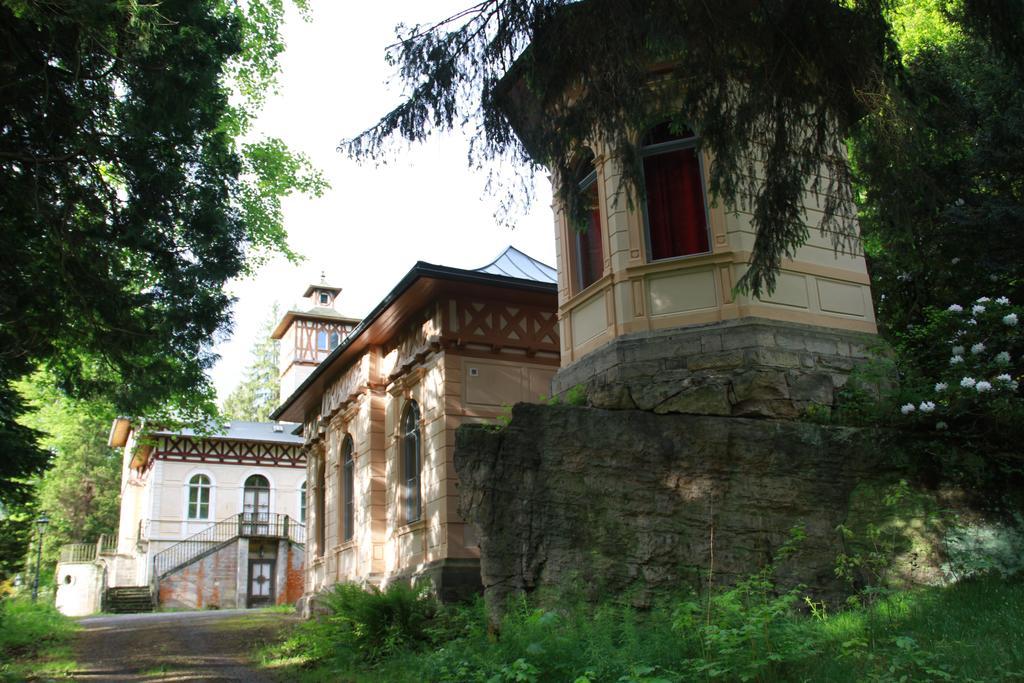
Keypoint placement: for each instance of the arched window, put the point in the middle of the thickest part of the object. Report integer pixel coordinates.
(411, 447)
(199, 497)
(321, 340)
(589, 255)
(302, 503)
(675, 214)
(348, 479)
(335, 340)
(256, 498)
(319, 493)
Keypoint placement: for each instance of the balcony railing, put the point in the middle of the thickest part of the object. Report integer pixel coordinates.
(243, 525)
(78, 552)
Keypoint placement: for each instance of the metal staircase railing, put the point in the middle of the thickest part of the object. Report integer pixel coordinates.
(244, 525)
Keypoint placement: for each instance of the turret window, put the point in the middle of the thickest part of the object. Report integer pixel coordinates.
(325, 298)
(589, 255)
(675, 213)
(321, 341)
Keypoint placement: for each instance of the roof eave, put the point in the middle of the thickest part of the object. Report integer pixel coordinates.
(418, 271)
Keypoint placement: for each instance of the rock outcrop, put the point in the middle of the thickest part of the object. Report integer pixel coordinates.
(633, 502)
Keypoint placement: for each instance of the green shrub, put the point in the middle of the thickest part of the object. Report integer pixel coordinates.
(964, 367)
(968, 631)
(373, 623)
(984, 547)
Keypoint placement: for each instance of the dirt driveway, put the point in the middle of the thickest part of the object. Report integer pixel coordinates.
(176, 646)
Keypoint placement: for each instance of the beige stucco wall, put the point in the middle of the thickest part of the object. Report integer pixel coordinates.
(154, 505)
(167, 519)
(818, 286)
(367, 403)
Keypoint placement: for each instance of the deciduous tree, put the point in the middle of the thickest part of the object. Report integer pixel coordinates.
(131, 190)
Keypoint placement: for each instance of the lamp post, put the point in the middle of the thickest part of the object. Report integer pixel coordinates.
(41, 523)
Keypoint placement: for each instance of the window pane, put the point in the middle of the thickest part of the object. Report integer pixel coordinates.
(590, 257)
(411, 463)
(676, 219)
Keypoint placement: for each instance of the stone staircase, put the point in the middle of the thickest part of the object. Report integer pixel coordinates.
(128, 599)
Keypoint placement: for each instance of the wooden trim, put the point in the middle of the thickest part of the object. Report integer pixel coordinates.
(186, 449)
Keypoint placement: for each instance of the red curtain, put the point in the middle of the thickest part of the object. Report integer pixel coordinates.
(675, 204)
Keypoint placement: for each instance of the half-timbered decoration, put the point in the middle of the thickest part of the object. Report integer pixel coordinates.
(445, 347)
(207, 520)
(309, 335)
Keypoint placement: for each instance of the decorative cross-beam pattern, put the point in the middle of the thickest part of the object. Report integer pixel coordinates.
(188, 449)
(306, 331)
(501, 325)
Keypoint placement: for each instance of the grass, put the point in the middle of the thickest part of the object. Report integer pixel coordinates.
(971, 631)
(35, 641)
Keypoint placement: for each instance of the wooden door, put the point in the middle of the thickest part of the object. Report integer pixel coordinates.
(261, 583)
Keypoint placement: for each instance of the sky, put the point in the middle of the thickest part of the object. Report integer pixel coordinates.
(374, 223)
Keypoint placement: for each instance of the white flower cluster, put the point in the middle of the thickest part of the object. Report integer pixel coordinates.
(1010, 319)
(1008, 381)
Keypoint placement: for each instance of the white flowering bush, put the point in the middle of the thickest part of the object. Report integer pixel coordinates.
(969, 362)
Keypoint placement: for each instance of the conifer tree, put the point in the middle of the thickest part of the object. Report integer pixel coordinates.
(774, 87)
(259, 393)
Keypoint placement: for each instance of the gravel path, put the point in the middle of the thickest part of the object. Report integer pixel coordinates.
(176, 646)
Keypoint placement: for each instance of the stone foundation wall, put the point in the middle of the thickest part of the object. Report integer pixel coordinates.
(631, 501)
(747, 368)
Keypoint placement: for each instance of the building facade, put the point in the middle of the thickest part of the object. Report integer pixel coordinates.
(211, 520)
(447, 346)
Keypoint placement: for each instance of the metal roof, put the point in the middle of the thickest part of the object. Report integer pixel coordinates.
(236, 430)
(526, 274)
(514, 263)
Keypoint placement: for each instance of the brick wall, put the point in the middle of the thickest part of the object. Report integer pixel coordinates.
(207, 583)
